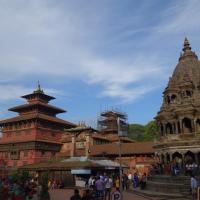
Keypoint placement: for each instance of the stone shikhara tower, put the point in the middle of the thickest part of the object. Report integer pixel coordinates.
(179, 115)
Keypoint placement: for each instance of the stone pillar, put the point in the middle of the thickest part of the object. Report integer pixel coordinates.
(181, 125)
(170, 157)
(164, 129)
(195, 126)
(176, 127)
(73, 146)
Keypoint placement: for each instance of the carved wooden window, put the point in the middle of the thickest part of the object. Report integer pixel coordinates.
(14, 155)
(80, 145)
(25, 153)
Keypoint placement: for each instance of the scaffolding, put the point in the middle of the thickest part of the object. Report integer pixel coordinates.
(110, 121)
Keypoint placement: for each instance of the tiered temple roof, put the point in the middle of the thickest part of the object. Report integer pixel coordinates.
(37, 108)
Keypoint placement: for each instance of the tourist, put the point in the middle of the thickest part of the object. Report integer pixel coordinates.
(99, 185)
(49, 184)
(90, 182)
(124, 182)
(193, 186)
(143, 181)
(135, 180)
(130, 176)
(108, 187)
(117, 183)
(76, 195)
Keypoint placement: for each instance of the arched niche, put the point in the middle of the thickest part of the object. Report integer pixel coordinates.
(198, 125)
(161, 129)
(189, 157)
(168, 158)
(173, 98)
(187, 125)
(177, 157)
(169, 128)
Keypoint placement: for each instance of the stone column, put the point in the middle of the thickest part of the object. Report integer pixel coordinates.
(176, 127)
(164, 129)
(181, 125)
(195, 126)
(170, 157)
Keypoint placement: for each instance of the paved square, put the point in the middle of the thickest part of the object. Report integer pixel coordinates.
(65, 194)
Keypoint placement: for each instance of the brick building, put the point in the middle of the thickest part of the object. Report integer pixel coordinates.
(35, 134)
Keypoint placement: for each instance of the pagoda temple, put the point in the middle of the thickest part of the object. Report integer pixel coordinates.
(35, 134)
(179, 115)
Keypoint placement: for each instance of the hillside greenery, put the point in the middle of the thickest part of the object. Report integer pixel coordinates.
(141, 133)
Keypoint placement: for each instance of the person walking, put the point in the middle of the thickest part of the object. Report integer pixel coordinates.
(99, 184)
(143, 181)
(76, 195)
(108, 187)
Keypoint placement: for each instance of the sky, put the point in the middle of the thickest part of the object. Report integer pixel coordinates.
(94, 55)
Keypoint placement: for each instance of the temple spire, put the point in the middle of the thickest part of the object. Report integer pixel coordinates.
(186, 45)
(38, 89)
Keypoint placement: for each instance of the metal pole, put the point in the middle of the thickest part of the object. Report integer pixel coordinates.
(120, 158)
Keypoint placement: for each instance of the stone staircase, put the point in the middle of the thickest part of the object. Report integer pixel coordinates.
(169, 184)
(167, 187)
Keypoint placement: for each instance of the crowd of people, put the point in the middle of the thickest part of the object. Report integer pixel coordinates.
(175, 168)
(105, 186)
(19, 190)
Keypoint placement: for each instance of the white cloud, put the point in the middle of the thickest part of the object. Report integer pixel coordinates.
(182, 17)
(13, 92)
(44, 38)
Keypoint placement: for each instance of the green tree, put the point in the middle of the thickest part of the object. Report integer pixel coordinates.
(151, 130)
(21, 176)
(146, 132)
(136, 131)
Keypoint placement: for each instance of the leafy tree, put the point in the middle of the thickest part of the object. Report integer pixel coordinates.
(136, 131)
(21, 176)
(146, 132)
(152, 130)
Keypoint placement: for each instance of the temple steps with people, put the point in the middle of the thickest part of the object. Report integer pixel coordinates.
(167, 187)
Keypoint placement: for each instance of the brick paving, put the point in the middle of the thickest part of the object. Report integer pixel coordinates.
(65, 194)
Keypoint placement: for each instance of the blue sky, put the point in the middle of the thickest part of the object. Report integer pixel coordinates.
(94, 55)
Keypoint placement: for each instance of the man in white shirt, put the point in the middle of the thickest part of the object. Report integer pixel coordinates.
(108, 186)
